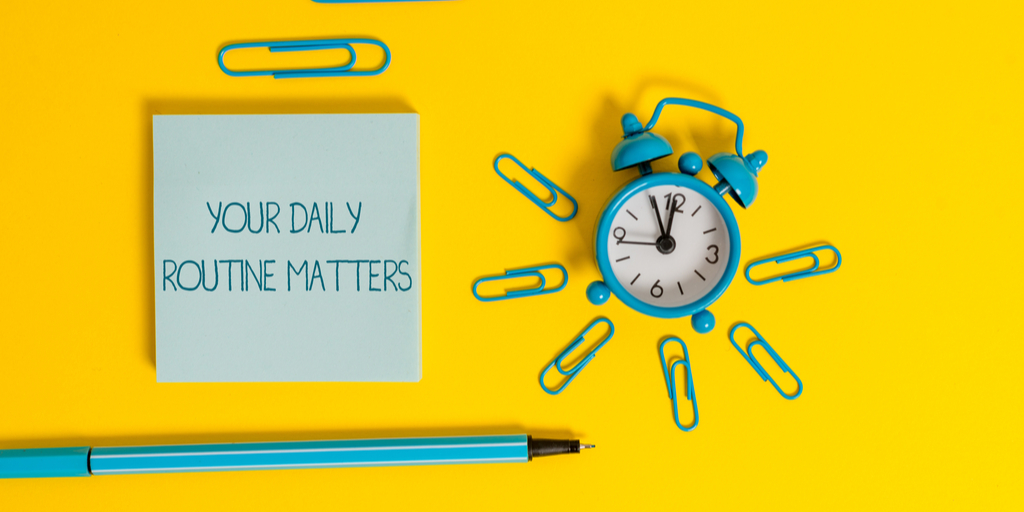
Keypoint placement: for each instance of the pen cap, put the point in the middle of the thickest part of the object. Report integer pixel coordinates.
(44, 462)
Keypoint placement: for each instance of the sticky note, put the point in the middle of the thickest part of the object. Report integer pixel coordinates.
(286, 248)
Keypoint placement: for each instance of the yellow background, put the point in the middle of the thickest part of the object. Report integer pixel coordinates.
(893, 131)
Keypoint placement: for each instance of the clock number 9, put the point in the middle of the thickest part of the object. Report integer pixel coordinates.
(715, 247)
(617, 236)
(661, 290)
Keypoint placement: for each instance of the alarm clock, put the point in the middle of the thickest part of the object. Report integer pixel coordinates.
(667, 244)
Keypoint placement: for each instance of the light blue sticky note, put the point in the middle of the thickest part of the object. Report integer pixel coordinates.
(287, 248)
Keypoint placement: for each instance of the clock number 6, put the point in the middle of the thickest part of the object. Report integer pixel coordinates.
(661, 290)
(715, 247)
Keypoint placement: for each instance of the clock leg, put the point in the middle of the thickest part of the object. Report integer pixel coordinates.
(598, 293)
(703, 321)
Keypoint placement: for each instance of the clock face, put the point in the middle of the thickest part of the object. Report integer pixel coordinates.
(673, 261)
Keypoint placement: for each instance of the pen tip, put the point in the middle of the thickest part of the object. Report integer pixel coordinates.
(585, 446)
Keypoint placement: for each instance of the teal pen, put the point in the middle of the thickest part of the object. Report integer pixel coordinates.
(88, 461)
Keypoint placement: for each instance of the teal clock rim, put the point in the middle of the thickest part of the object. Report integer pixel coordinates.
(604, 227)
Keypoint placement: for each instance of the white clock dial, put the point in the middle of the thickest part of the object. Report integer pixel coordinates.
(678, 268)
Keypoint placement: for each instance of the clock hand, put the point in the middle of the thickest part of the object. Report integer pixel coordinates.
(657, 211)
(635, 243)
(671, 215)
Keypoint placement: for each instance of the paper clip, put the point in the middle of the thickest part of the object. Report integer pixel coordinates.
(552, 189)
(301, 46)
(807, 253)
(670, 381)
(520, 273)
(757, 366)
(573, 372)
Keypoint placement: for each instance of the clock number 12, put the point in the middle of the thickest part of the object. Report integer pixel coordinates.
(678, 200)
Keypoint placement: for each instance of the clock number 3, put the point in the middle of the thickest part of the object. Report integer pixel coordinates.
(715, 247)
(660, 292)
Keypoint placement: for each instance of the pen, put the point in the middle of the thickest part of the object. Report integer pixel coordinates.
(87, 461)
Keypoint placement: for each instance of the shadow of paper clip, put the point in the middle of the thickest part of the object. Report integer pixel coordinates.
(793, 256)
(757, 366)
(552, 189)
(310, 45)
(521, 273)
(670, 381)
(573, 372)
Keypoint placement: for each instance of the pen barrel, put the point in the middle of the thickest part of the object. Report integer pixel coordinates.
(44, 462)
(309, 454)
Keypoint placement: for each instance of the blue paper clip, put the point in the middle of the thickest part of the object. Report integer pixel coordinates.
(301, 46)
(573, 372)
(552, 189)
(757, 366)
(807, 253)
(670, 381)
(519, 273)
